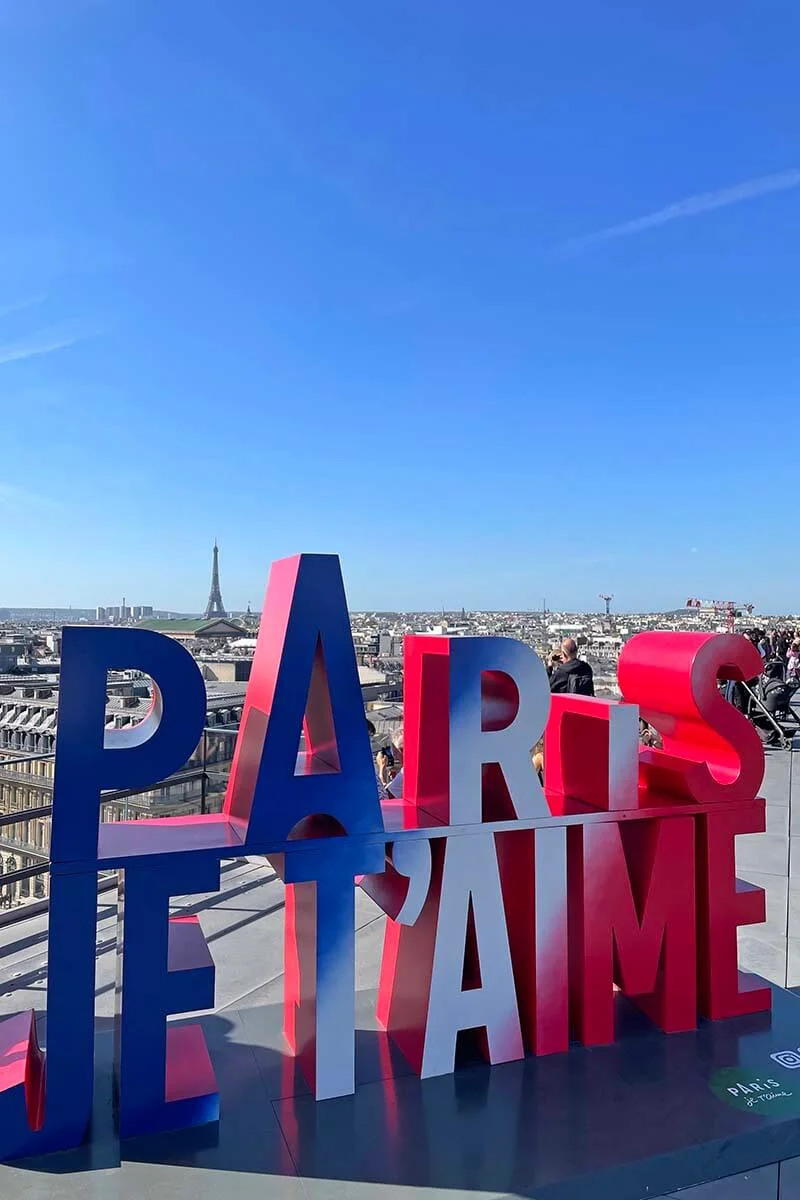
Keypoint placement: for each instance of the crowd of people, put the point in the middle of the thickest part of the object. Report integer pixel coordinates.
(779, 646)
(766, 699)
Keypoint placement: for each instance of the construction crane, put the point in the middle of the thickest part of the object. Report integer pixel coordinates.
(608, 600)
(728, 609)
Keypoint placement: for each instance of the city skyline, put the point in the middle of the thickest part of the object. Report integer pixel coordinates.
(491, 302)
(592, 606)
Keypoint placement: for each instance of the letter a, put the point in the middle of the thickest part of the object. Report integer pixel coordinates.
(304, 678)
(424, 1000)
(471, 875)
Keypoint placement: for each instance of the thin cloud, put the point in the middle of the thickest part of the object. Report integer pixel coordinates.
(21, 305)
(45, 343)
(693, 206)
(16, 499)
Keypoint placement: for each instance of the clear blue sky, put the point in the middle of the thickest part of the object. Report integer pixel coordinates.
(305, 275)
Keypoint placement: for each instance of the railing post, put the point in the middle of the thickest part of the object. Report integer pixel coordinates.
(204, 775)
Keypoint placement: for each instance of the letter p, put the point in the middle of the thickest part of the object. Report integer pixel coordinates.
(91, 758)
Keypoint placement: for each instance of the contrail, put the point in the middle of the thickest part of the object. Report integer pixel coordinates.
(692, 206)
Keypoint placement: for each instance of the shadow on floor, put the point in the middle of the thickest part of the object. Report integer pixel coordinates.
(615, 1122)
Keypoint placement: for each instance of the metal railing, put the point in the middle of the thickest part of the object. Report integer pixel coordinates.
(209, 768)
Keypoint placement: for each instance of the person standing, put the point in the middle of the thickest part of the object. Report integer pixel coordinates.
(389, 762)
(793, 663)
(572, 674)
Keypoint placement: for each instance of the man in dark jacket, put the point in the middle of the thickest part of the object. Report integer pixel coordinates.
(572, 674)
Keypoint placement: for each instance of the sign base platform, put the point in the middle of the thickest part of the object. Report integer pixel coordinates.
(646, 1116)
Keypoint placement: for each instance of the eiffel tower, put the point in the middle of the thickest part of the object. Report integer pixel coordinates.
(215, 607)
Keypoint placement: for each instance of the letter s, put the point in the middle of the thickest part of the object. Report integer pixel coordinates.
(711, 751)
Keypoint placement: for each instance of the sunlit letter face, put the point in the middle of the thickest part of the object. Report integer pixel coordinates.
(499, 701)
(472, 984)
(319, 986)
(711, 752)
(448, 972)
(304, 677)
(475, 707)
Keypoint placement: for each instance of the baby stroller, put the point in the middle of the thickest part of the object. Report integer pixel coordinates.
(768, 704)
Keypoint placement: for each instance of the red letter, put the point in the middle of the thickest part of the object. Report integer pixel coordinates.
(723, 903)
(711, 752)
(634, 923)
(452, 969)
(533, 869)
(591, 751)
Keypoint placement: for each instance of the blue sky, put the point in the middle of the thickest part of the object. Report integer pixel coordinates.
(314, 276)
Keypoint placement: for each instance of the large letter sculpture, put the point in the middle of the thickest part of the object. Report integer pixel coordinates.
(514, 912)
(46, 1099)
(304, 679)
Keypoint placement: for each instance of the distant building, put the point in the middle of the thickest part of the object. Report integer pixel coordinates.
(53, 642)
(100, 613)
(13, 650)
(189, 629)
(605, 646)
(28, 714)
(376, 685)
(365, 644)
(224, 668)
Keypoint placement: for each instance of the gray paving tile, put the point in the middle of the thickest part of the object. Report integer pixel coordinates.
(765, 852)
(778, 819)
(789, 1179)
(777, 771)
(794, 909)
(763, 955)
(794, 965)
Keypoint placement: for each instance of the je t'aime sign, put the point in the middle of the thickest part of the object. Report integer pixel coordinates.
(512, 909)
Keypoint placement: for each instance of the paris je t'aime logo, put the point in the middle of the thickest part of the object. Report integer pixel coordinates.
(758, 1093)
